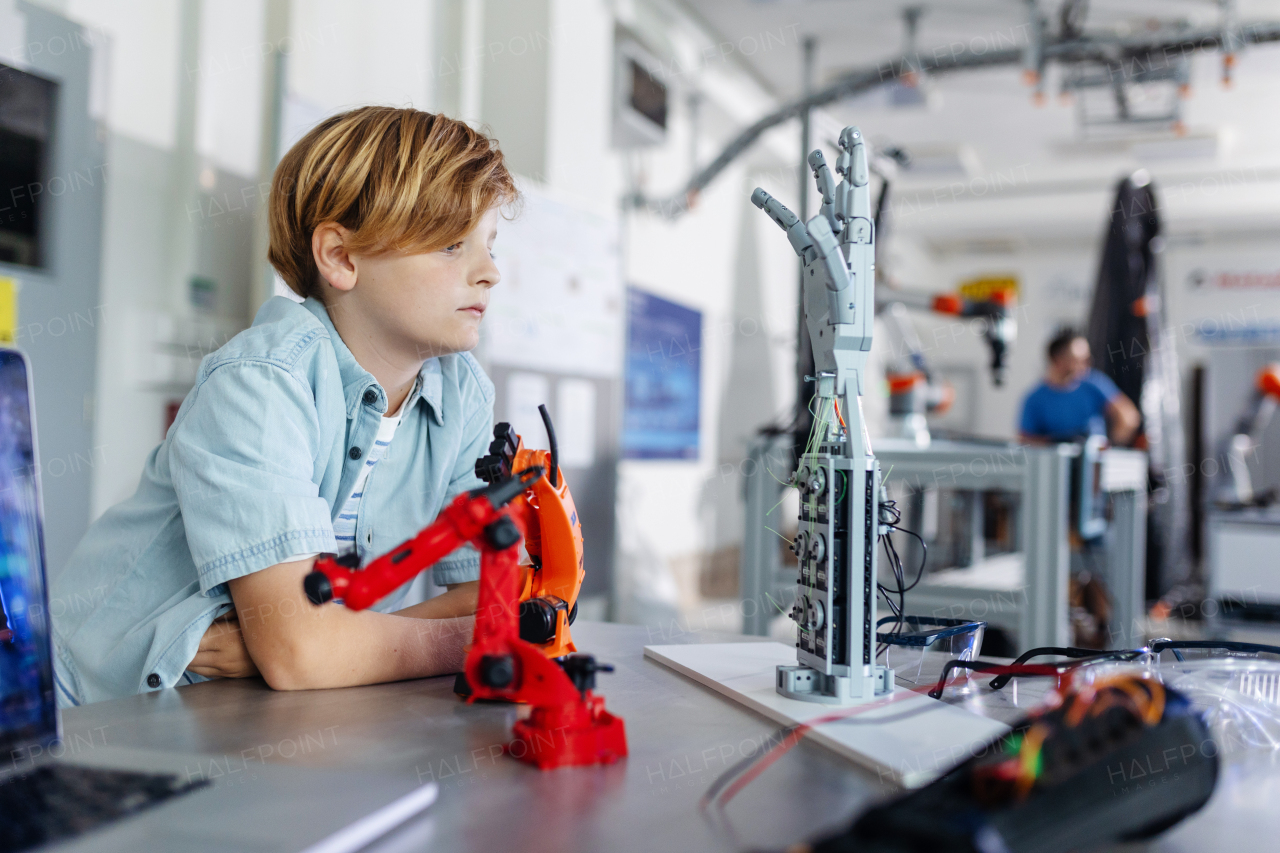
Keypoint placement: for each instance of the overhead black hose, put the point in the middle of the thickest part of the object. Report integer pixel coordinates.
(554, 473)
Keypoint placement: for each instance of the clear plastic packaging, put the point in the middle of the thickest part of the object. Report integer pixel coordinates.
(1238, 695)
(905, 652)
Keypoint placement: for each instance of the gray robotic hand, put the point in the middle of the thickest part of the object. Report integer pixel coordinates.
(838, 249)
(835, 595)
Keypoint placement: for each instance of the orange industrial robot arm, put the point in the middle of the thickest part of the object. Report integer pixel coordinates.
(544, 509)
(553, 537)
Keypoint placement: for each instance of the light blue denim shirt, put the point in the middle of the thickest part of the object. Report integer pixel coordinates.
(262, 455)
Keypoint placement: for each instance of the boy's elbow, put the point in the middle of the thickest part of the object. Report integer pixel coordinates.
(286, 668)
(284, 677)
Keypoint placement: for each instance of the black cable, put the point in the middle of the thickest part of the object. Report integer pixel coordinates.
(894, 559)
(924, 555)
(551, 442)
(891, 516)
(739, 767)
(901, 578)
(898, 609)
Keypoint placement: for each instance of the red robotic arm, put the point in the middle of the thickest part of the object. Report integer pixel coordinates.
(479, 518)
(568, 724)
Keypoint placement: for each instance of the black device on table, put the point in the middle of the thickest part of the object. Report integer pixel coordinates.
(1119, 760)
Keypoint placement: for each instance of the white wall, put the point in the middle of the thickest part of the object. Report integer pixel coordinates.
(229, 115)
(1210, 228)
(723, 258)
(144, 70)
(347, 54)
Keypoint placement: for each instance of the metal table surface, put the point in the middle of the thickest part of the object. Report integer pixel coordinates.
(681, 737)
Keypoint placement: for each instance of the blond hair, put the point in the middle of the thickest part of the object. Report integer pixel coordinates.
(397, 179)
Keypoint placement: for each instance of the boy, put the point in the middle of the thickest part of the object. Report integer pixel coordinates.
(1074, 400)
(340, 424)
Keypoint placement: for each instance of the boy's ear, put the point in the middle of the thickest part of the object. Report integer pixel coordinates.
(328, 249)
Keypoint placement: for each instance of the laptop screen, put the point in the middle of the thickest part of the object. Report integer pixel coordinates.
(28, 712)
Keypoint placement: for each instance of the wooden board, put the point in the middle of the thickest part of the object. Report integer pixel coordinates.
(910, 741)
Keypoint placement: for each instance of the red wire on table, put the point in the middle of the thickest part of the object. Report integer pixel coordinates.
(767, 758)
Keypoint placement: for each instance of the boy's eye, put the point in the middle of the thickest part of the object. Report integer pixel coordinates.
(454, 247)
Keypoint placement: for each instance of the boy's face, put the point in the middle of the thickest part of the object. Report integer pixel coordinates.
(425, 305)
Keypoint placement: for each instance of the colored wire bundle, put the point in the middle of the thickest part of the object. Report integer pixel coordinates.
(1015, 773)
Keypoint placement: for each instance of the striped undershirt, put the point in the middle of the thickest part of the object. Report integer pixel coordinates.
(344, 526)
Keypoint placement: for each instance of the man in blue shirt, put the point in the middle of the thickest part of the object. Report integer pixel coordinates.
(1074, 400)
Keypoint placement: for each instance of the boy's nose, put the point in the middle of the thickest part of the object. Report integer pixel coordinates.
(488, 275)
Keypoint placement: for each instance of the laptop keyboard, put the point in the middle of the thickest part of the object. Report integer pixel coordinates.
(56, 801)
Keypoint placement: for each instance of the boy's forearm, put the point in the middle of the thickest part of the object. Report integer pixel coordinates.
(368, 647)
(459, 600)
(297, 645)
(380, 648)
(400, 649)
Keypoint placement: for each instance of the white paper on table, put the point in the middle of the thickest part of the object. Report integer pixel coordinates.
(908, 739)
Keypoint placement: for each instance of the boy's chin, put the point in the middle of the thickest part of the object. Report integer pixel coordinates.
(460, 343)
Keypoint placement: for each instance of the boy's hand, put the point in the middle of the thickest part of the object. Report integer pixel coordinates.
(222, 651)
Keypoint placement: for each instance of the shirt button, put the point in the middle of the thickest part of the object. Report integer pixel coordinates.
(370, 397)
(355, 453)
(153, 681)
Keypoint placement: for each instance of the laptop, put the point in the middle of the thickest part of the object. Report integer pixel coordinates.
(109, 799)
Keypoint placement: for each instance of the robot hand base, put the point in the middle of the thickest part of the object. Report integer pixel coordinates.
(809, 685)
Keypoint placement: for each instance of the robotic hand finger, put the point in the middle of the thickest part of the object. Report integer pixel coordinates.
(827, 188)
(797, 234)
(851, 165)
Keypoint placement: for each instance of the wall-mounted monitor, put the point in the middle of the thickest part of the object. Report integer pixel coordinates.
(27, 105)
(641, 97)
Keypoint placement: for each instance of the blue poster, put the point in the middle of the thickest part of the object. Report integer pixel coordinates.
(663, 379)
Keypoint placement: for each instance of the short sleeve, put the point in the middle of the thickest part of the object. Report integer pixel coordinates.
(242, 458)
(1102, 382)
(463, 565)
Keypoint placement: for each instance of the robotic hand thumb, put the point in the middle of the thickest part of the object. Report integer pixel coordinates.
(838, 278)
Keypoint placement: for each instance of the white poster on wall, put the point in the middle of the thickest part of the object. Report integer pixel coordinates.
(559, 307)
(525, 392)
(1223, 294)
(576, 422)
